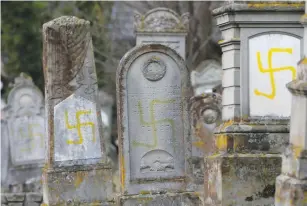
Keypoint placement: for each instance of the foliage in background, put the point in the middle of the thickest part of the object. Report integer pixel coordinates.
(21, 39)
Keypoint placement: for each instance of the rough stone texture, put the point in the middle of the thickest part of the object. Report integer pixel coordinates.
(72, 174)
(241, 179)
(205, 114)
(291, 185)
(169, 199)
(157, 109)
(15, 197)
(34, 197)
(162, 26)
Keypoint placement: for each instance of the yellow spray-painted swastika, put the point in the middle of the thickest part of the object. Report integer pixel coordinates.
(271, 70)
(78, 126)
(153, 122)
(31, 135)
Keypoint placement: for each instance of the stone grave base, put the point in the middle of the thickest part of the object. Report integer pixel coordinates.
(241, 179)
(167, 199)
(290, 191)
(83, 185)
(21, 199)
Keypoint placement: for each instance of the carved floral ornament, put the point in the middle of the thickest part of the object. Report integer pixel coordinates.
(161, 20)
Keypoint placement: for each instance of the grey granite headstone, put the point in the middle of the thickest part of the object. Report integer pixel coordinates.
(162, 26)
(24, 131)
(153, 90)
(77, 170)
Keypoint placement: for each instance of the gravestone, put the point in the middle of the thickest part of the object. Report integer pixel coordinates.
(262, 41)
(25, 133)
(153, 90)
(77, 170)
(162, 26)
(206, 77)
(205, 114)
(291, 185)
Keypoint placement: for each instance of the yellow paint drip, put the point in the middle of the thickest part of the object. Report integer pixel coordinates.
(226, 124)
(122, 172)
(263, 5)
(221, 142)
(297, 150)
(304, 61)
(305, 197)
(198, 144)
(79, 179)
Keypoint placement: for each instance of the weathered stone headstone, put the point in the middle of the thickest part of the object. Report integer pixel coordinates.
(205, 114)
(23, 128)
(291, 185)
(262, 41)
(153, 90)
(206, 77)
(162, 26)
(77, 170)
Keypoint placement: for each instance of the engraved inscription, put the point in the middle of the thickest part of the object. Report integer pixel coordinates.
(154, 69)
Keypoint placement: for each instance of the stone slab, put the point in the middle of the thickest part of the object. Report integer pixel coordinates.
(172, 199)
(268, 96)
(27, 139)
(78, 185)
(241, 179)
(34, 197)
(15, 197)
(76, 130)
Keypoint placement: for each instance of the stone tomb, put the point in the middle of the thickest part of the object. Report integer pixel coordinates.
(24, 117)
(153, 89)
(162, 26)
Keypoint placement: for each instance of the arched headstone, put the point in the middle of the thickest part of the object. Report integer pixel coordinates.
(153, 90)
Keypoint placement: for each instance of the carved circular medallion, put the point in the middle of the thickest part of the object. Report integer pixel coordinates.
(154, 69)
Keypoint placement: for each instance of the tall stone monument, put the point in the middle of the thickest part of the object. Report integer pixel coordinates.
(153, 90)
(262, 42)
(291, 185)
(162, 26)
(77, 170)
(23, 136)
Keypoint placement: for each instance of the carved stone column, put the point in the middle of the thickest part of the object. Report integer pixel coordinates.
(291, 185)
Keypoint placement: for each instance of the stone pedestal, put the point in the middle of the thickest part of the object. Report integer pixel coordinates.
(291, 185)
(260, 51)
